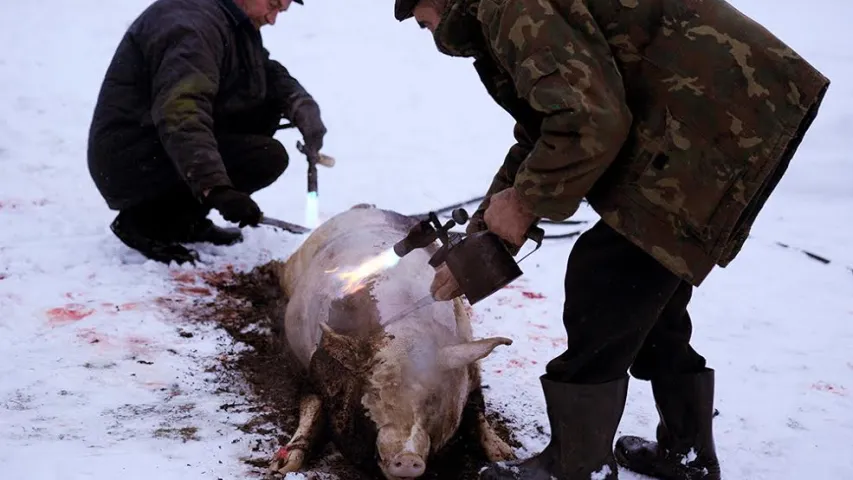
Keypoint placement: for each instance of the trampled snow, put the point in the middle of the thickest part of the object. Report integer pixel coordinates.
(98, 381)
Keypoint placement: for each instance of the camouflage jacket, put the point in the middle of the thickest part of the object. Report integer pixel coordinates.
(675, 119)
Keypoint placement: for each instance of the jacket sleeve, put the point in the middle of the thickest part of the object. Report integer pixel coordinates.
(504, 177)
(184, 58)
(287, 92)
(562, 65)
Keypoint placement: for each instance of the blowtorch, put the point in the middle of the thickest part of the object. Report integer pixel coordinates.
(480, 262)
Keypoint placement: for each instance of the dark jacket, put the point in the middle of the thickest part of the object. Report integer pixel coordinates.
(675, 119)
(184, 71)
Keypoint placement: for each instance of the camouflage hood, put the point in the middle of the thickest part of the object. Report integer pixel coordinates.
(459, 32)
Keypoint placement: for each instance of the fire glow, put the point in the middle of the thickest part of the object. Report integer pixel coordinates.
(356, 278)
(312, 210)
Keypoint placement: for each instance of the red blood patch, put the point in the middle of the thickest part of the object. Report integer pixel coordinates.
(826, 387)
(70, 313)
(91, 336)
(218, 278)
(282, 453)
(533, 295)
(194, 290)
(183, 277)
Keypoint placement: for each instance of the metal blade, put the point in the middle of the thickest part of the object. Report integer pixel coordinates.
(423, 302)
(290, 227)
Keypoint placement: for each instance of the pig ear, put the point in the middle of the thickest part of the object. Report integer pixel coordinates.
(343, 348)
(464, 354)
(330, 335)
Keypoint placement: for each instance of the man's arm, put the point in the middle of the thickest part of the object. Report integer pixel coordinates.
(287, 92)
(184, 60)
(296, 104)
(563, 68)
(504, 177)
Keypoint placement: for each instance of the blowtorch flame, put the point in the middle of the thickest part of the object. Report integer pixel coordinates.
(312, 210)
(357, 277)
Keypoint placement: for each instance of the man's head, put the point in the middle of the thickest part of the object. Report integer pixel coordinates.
(426, 12)
(264, 12)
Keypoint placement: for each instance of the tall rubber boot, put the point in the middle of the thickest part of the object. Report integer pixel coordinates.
(583, 421)
(685, 441)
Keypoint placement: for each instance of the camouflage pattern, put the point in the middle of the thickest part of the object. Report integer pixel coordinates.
(675, 119)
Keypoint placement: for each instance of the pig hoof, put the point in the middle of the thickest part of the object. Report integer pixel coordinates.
(288, 460)
(498, 451)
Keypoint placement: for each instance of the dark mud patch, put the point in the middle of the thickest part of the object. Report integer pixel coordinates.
(246, 306)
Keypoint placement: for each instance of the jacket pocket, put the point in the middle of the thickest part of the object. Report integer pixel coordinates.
(688, 180)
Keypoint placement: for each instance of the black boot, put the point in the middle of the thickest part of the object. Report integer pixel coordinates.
(685, 442)
(139, 236)
(205, 231)
(583, 421)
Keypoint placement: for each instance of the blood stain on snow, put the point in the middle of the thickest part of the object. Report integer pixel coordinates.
(533, 295)
(183, 277)
(73, 312)
(827, 387)
(194, 290)
(113, 309)
(217, 276)
(91, 336)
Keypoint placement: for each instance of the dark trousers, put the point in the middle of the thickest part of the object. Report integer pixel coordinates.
(253, 161)
(623, 311)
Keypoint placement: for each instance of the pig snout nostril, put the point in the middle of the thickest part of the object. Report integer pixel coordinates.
(407, 465)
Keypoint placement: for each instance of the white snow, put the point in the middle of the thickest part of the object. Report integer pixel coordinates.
(411, 130)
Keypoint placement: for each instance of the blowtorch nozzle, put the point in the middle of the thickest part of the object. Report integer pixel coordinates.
(429, 230)
(420, 236)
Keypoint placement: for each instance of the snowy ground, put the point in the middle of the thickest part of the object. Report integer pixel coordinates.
(97, 381)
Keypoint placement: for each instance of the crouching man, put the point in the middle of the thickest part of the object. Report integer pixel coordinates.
(675, 119)
(184, 122)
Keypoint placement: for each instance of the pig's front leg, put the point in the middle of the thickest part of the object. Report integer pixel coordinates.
(495, 448)
(291, 457)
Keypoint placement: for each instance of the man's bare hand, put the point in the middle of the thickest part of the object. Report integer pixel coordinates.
(444, 286)
(507, 217)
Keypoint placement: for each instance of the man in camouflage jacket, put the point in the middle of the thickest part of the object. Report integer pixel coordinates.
(675, 119)
(184, 122)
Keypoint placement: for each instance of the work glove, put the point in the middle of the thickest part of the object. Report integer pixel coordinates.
(444, 286)
(306, 117)
(508, 217)
(235, 206)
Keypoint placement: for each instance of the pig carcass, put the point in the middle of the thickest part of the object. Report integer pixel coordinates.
(389, 393)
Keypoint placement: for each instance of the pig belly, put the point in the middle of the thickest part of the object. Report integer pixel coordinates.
(316, 294)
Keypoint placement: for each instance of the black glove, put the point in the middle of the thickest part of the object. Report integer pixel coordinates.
(306, 117)
(235, 206)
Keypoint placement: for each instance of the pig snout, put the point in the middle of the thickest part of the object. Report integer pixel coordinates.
(406, 465)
